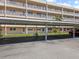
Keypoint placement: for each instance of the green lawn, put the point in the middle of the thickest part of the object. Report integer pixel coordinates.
(39, 34)
(17, 35)
(59, 33)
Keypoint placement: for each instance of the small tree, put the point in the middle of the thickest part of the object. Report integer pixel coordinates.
(36, 34)
(55, 29)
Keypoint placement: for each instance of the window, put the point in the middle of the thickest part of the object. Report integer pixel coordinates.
(12, 10)
(43, 29)
(30, 12)
(38, 29)
(39, 14)
(30, 29)
(23, 29)
(12, 29)
(23, 13)
(49, 29)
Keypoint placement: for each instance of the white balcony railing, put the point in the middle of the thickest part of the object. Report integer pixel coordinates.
(36, 7)
(51, 18)
(18, 4)
(2, 2)
(2, 12)
(76, 20)
(76, 14)
(68, 13)
(42, 16)
(69, 19)
(15, 13)
(54, 10)
(37, 16)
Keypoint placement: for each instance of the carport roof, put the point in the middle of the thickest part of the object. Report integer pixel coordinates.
(17, 21)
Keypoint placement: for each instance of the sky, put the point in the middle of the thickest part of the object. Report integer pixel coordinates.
(72, 3)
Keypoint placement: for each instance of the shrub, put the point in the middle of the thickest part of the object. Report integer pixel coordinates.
(36, 34)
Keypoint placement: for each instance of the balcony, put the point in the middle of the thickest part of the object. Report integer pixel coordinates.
(2, 12)
(77, 20)
(17, 4)
(51, 18)
(68, 13)
(77, 14)
(22, 14)
(15, 14)
(69, 19)
(36, 16)
(35, 7)
(2, 3)
(54, 11)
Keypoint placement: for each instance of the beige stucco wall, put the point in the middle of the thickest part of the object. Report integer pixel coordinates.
(17, 31)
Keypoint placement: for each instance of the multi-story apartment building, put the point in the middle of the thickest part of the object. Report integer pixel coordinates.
(37, 10)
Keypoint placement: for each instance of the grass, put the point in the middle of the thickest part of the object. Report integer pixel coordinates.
(40, 34)
(58, 33)
(17, 35)
(53, 33)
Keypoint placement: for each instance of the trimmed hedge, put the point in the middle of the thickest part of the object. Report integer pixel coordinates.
(31, 38)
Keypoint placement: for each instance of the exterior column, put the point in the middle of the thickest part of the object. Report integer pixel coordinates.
(5, 8)
(62, 13)
(46, 27)
(73, 32)
(46, 32)
(5, 30)
(26, 9)
(62, 29)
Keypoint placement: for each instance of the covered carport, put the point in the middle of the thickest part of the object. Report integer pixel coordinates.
(45, 23)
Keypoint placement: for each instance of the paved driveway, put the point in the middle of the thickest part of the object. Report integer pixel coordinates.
(54, 49)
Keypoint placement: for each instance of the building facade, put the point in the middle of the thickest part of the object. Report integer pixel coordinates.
(37, 10)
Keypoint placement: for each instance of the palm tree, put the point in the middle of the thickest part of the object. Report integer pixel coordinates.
(58, 18)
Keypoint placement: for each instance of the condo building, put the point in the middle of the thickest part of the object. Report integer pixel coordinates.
(36, 10)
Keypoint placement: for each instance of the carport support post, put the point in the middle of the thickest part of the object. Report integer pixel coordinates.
(5, 30)
(26, 29)
(46, 32)
(73, 32)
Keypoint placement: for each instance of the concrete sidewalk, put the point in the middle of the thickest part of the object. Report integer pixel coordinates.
(53, 49)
